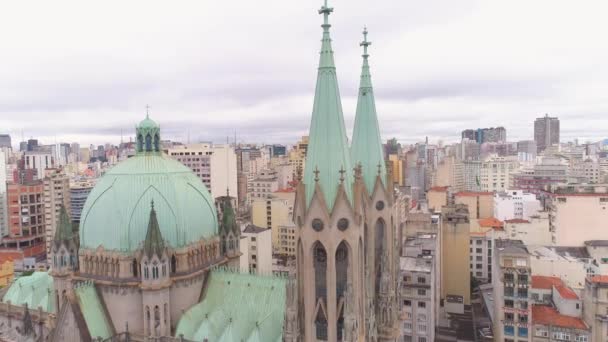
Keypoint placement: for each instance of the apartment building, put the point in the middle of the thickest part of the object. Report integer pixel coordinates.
(264, 184)
(515, 204)
(287, 240)
(495, 173)
(533, 231)
(256, 249)
(595, 307)
(454, 246)
(272, 213)
(56, 194)
(483, 233)
(419, 289)
(480, 204)
(577, 213)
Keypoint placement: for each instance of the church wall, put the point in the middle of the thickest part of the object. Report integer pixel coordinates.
(124, 305)
(184, 294)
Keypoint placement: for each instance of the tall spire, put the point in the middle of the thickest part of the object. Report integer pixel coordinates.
(153, 244)
(366, 147)
(327, 147)
(64, 230)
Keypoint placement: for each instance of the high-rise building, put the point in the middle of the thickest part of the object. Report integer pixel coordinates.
(214, 164)
(26, 229)
(3, 199)
(256, 250)
(526, 150)
(515, 204)
(272, 213)
(5, 140)
(56, 196)
(79, 191)
(546, 132)
(454, 249)
(495, 173)
(484, 135)
(39, 161)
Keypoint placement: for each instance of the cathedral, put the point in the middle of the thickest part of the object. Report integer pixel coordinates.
(155, 258)
(345, 286)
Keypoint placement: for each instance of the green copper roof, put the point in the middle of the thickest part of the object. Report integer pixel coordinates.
(148, 123)
(229, 217)
(153, 244)
(34, 290)
(366, 147)
(117, 211)
(237, 307)
(327, 147)
(92, 310)
(64, 230)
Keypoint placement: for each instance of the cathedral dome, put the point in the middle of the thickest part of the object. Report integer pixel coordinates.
(117, 211)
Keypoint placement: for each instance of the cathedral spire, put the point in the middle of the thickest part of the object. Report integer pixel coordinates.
(366, 147)
(153, 244)
(328, 147)
(64, 230)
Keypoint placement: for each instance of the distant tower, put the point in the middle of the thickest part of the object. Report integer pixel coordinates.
(155, 281)
(64, 256)
(546, 132)
(230, 232)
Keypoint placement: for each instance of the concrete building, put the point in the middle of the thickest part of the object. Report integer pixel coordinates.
(533, 231)
(511, 275)
(578, 213)
(450, 172)
(297, 155)
(56, 195)
(214, 164)
(26, 228)
(595, 306)
(256, 249)
(79, 191)
(546, 132)
(437, 197)
(472, 175)
(587, 170)
(287, 240)
(3, 195)
(264, 184)
(482, 135)
(480, 204)
(272, 213)
(39, 161)
(454, 247)
(421, 222)
(398, 169)
(5, 141)
(515, 204)
(526, 150)
(495, 173)
(550, 170)
(483, 234)
(419, 296)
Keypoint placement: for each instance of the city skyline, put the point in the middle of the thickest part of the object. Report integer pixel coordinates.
(59, 83)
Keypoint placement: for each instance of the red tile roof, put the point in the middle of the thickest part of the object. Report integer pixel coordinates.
(546, 315)
(286, 190)
(517, 221)
(603, 279)
(566, 292)
(491, 222)
(474, 193)
(440, 188)
(547, 283)
(543, 282)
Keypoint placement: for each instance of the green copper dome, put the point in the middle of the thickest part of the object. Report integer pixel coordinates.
(117, 212)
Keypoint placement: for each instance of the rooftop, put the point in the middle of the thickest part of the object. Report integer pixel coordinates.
(414, 264)
(598, 279)
(491, 223)
(559, 253)
(546, 315)
(597, 243)
(517, 221)
(473, 194)
(566, 292)
(544, 282)
(253, 229)
(440, 188)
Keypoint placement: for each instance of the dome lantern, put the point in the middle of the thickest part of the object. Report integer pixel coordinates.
(148, 135)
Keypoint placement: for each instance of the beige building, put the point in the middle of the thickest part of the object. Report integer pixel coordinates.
(272, 213)
(438, 197)
(398, 169)
(455, 271)
(483, 233)
(297, 155)
(534, 231)
(495, 173)
(450, 172)
(214, 164)
(56, 194)
(287, 240)
(481, 204)
(577, 213)
(595, 306)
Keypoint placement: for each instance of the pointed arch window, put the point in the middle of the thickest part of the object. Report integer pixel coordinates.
(134, 267)
(379, 250)
(341, 281)
(146, 271)
(148, 143)
(321, 326)
(173, 264)
(320, 266)
(156, 142)
(140, 142)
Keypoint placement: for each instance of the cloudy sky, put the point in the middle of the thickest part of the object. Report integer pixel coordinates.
(83, 71)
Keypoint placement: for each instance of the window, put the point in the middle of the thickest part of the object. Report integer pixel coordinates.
(421, 339)
(421, 304)
(407, 303)
(561, 336)
(509, 330)
(542, 332)
(421, 280)
(581, 338)
(421, 328)
(479, 266)
(478, 258)
(407, 326)
(478, 242)
(421, 292)
(508, 303)
(478, 250)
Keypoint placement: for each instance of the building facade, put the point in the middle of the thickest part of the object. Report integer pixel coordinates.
(546, 132)
(56, 195)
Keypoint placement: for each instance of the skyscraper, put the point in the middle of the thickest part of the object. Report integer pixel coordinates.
(546, 132)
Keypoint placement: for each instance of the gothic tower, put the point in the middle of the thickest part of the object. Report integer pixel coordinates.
(64, 254)
(329, 218)
(381, 247)
(155, 281)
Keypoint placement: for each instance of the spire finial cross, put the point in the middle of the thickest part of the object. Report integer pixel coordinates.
(379, 168)
(147, 111)
(365, 43)
(316, 172)
(342, 171)
(326, 11)
(152, 203)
